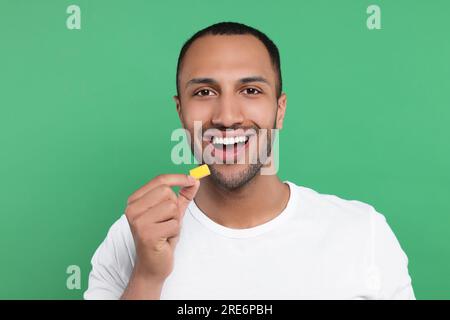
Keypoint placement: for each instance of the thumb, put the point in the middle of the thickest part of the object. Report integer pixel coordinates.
(187, 194)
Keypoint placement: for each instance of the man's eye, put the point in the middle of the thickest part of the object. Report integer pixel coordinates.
(203, 92)
(252, 91)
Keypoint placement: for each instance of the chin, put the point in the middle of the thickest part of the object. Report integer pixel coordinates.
(235, 176)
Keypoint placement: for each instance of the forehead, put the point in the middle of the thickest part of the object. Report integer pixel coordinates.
(227, 57)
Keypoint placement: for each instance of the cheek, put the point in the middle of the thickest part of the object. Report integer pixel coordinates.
(196, 111)
(262, 113)
(195, 116)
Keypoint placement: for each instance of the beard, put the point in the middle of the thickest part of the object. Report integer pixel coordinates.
(239, 178)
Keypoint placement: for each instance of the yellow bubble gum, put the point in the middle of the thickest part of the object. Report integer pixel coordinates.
(200, 172)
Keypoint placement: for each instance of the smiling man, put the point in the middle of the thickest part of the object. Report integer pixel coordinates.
(239, 233)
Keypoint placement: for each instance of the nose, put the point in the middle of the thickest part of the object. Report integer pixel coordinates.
(228, 112)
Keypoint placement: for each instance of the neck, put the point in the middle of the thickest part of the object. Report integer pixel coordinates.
(245, 207)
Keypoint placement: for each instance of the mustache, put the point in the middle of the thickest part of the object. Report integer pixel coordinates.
(232, 128)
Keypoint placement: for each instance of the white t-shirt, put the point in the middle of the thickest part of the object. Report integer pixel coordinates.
(319, 247)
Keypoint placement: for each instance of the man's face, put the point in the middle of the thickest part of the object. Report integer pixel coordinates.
(229, 84)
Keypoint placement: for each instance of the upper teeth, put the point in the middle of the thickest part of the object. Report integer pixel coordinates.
(230, 140)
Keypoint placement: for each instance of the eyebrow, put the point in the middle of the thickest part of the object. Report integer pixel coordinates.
(212, 81)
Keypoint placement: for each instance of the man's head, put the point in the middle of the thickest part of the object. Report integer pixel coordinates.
(229, 78)
(233, 29)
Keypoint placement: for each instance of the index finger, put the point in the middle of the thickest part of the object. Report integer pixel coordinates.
(172, 180)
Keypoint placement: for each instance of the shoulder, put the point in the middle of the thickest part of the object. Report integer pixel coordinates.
(120, 229)
(119, 243)
(341, 221)
(356, 229)
(334, 208)
(112, 262)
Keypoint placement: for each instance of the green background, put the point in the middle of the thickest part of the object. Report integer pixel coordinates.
(86, 117)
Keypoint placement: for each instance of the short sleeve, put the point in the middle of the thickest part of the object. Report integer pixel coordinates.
(111, 263)
(389, 263)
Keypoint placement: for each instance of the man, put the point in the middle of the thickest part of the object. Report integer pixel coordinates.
(241, 234)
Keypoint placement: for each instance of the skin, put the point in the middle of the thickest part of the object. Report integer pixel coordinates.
(229, 103)
(154, 211)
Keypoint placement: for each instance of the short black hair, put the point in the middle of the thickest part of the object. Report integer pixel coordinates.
(235, 28)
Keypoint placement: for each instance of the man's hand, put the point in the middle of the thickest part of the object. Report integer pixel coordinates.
(154, 213)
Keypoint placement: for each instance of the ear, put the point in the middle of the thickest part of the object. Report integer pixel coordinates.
(281, 111)
(178, 106)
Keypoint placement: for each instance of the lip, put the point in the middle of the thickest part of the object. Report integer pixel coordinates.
(231, 154)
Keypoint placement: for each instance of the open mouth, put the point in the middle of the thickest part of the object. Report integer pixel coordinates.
(228, 149)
